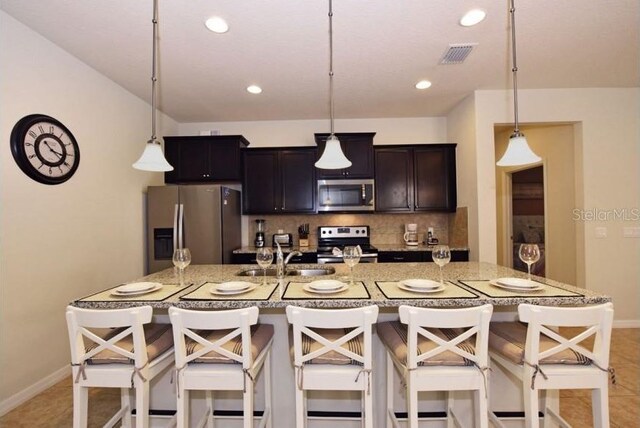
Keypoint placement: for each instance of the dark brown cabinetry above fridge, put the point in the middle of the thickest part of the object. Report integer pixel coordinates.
(204, 159)
(279, 181)
(415, 178)
(357, 147)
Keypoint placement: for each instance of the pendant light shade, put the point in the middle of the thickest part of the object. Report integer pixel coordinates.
(332, 157)
(152, 158)
(518, 151)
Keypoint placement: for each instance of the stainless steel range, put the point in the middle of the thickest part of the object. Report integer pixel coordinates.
(342, 236)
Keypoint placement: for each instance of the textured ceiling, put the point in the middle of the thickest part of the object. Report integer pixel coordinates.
(381, 49)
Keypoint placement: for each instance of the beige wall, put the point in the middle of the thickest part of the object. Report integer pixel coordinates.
(608, 171)
(61, 242)
(300, 132)
(555, 144)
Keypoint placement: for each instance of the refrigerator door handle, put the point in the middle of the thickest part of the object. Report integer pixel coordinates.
(175, 227)
(181, 226)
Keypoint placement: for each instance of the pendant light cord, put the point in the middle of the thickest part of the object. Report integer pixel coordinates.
(514, 69)
(331, 63)
(153, 71)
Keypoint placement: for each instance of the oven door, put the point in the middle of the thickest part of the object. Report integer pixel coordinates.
(324, 259)
(345, 195)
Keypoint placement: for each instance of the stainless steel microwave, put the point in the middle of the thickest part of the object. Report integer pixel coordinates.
(345, 195)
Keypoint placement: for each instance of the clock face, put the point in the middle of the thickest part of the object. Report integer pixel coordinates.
(44, 149)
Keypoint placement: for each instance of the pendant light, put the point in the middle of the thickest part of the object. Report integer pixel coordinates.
(152, 158)
(332, 157)
(518, 151)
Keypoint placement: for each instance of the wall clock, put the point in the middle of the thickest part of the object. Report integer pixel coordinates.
(44, 149)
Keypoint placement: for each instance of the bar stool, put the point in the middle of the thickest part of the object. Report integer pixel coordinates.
(544, 360)
(434, 350)
(127, 357)
(221, 351)
(331, 350)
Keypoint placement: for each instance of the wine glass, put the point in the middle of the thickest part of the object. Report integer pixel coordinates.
(529, 253)
(181, 259)
(441, 256)
(351, 257)
(264, 257)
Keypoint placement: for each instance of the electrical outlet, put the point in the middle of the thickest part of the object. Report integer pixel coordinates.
(601, 232)
(631, 232)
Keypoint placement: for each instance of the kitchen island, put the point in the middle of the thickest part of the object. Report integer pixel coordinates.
(376, 283)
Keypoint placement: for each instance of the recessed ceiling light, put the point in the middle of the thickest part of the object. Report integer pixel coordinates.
(473, 17)
(254, 89)
(423, 84)
(217, 25)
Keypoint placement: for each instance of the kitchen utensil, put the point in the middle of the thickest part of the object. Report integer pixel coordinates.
(420, 284)
(437, 289)
(517, 289)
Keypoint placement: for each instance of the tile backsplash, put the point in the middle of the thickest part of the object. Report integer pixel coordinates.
(386, 229)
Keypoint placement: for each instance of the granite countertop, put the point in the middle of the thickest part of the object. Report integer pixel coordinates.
(419, 247)
(253, 250)
(369, 274)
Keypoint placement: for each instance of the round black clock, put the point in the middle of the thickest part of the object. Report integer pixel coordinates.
(44, 149)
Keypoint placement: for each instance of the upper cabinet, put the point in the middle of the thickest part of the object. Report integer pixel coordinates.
(357, 147)
(416, 178)
(279, 181)
(198, 159)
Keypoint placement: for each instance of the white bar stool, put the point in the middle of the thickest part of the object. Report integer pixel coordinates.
(434, 350)
(221, 351)
(332, 351)
(127, 357)
(545, 360)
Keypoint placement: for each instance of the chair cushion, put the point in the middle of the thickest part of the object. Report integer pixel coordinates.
(261, 335)
(355, 345)
(393, 335)
(508, 339)
(159, 339)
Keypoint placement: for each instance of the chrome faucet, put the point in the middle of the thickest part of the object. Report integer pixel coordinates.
(281, 261)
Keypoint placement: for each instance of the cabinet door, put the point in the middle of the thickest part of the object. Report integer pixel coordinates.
(298, 181)
(260, 192)
(435, 179)
(193, 162)
(394, 179)
(225, 160)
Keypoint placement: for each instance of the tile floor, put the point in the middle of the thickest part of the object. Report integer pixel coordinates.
(53, 407)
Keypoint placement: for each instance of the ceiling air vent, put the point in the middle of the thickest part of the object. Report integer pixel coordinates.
(456, 54)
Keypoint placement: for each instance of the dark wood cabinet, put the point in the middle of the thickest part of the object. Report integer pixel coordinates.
(201, 159)
(415, 178)
(418, 256)
(357, 147)
(279, 181)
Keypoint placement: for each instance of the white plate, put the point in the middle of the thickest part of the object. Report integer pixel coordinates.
(326, 285)
(233, 286)
(307, 287)
(520, 289)
(438, 289)
(136, 287)
(517, 283)
(420, 284)
(215, 289)
(118, 292)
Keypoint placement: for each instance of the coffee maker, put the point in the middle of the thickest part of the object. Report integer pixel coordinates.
(411, 234)
(259, 241)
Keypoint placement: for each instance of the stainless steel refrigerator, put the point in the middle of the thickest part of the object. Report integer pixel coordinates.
(203, 218)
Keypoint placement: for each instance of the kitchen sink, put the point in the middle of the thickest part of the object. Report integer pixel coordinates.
(290, 272)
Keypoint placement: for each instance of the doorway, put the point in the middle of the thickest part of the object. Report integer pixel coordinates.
(527, 216)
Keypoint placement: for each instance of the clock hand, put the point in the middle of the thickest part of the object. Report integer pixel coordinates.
(49, 147)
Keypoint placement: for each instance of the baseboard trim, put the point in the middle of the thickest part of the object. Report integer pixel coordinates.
(28, 393)
(626, 324)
